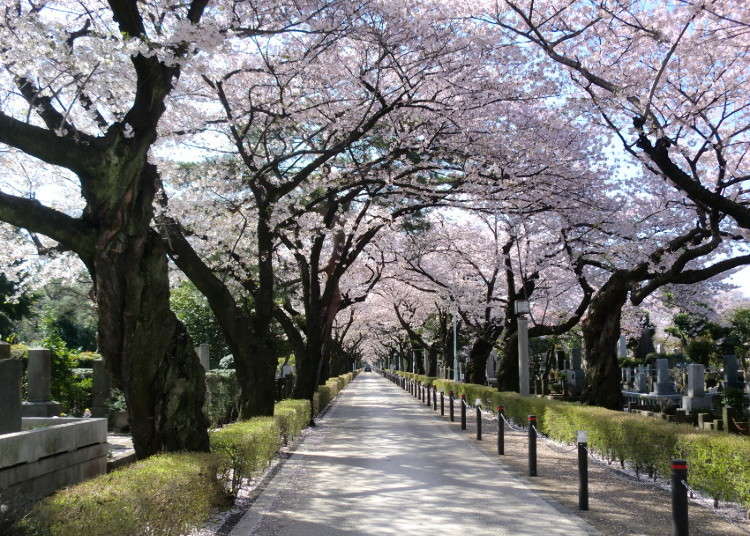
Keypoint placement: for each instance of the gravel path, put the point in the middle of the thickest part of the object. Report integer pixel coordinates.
(381, 464)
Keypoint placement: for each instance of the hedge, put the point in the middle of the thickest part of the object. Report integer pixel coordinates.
(719, 463)
(327, 392)
(164, 495)
(244, 448)
(292, 416)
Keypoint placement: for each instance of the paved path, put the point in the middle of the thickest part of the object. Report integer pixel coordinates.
(380, 464)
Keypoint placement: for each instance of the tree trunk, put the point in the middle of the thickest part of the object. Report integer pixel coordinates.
(601, 331)
(507, 370)
(146, 348)
(476, 367)
(256, 377)
(432, 359)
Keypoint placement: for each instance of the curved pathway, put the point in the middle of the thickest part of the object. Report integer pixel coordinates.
(376, 465)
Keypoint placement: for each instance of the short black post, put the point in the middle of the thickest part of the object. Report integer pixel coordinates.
(434, 398)
(463, 412)
(442, 404)
(421, 392)
(583, 471)
(450, 402)
(679, 498)
(479, 423)
(500, 431)
(429, 400)
(532, 445)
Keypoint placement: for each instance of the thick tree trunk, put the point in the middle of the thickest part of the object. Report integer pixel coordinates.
(432, 359)
(601, 330)
(256, 377)
(476, 367)
(146, 348)
(507, 371)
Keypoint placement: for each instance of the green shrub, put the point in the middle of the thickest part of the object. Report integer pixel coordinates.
(325, 393)
(222, 397)
(244, 448)
(292, 415)
(165, 495)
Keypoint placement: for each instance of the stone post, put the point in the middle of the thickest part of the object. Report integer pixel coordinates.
(102, 388)
(39, 372)
(10, 394)
(204, 355)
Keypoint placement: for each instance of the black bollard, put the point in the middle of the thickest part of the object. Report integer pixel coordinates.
(500, 431)
(479, 423)
(442, 404)
(463, 412)
(679, 498)
(429, 401)
(532, 445)
(583, 471)
(434, 398)
(450, 403)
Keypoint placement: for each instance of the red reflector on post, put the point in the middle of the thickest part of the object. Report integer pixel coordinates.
(679, 466)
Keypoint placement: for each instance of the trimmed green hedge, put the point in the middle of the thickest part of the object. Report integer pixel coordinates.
(165, 495)
(244, 448)
(719, 463)
(329, 390)
(292, 416)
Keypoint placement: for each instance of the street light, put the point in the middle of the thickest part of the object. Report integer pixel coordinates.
(455, 351)
(521, 308)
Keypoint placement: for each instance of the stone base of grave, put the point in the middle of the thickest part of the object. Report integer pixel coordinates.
(664, 388)
(40, 409)
(695, 403)
(51, 454)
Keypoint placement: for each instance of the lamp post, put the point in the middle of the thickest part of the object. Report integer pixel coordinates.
(455, 351)
(522, 309)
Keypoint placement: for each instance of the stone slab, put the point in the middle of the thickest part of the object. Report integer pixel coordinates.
(40, 409)
(33, 444)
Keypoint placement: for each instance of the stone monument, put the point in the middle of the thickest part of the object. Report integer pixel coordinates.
(696, 398)
(39, 372)
(664, 384)
(204, 356)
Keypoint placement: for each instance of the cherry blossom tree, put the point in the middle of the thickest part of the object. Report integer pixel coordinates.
(84, 87)
(668, 78)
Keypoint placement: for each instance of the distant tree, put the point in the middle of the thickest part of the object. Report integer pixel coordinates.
(13, 306)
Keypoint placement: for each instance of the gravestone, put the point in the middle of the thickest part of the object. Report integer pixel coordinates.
(101, 389)
(696, 398)
(10, 395)
(628, 376)
(664, 384)
(575, 374)
(39, 373)
(490, 368)
(4, 350)
(204, 355)
(622, 347)
(641, 379)
(560, 360)
(731, 376)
